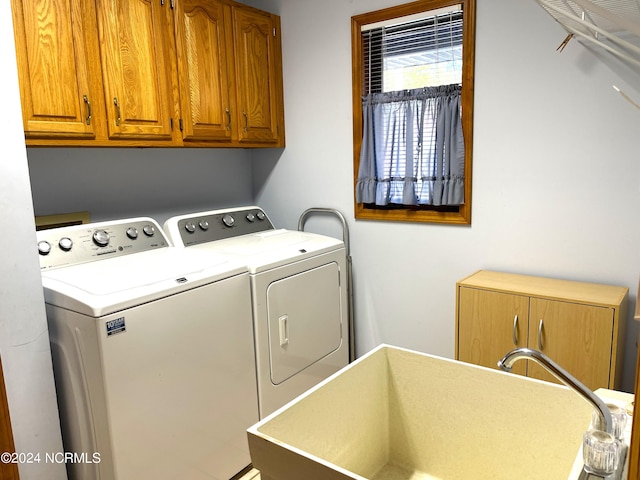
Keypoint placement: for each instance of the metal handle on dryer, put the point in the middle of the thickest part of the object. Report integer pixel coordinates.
(345, 238)
(332, 211)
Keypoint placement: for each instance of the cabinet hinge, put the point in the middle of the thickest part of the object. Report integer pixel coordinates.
(181, 125)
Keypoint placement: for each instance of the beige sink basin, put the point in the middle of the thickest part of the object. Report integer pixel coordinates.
(395, 414)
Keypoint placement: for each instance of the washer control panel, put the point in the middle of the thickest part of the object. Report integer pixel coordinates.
(70, 245)
(220, 224)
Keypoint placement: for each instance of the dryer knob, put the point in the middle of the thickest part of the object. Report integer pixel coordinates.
(44, 247)
(149, 230)
(190, 227)
(261, 216)
(101, 238)
(65, 243)
(228, 220)
(204, 225)
(251, 217)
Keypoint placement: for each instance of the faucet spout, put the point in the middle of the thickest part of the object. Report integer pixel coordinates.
(604, 415)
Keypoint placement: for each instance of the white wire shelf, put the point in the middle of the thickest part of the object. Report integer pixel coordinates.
(611, 26)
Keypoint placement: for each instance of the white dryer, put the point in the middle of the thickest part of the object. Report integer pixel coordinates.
(298, 294)
(153, 353)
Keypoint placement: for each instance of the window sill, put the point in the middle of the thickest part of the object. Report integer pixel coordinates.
(446, 215)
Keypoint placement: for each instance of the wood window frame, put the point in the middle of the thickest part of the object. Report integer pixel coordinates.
(428, 214)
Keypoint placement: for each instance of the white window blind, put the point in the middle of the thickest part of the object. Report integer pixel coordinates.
(413, 53)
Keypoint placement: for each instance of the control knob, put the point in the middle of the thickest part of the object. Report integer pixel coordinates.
(149, 230)
(44, 247)
(190, 227)
(261, 216)
(228, 220)
(204, 225)
(101, 238)
(251, 217)
(132, 233)
(65, 244)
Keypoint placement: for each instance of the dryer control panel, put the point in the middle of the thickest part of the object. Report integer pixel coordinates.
(215, 225)
(75, 244)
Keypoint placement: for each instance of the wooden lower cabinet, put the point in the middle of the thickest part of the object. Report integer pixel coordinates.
(8, 471)
(579, 325)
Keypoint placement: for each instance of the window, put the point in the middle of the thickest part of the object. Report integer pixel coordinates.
(413, 53)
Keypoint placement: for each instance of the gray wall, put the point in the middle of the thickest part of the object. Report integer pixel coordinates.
(113, 183)
(556, 174)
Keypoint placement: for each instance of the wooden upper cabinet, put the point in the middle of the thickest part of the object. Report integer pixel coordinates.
(202, 40)
(135, 49)
(258, 66)
(58, 68)
(149, 73)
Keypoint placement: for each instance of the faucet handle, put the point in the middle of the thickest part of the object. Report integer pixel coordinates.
(618, 415)
(601, 452)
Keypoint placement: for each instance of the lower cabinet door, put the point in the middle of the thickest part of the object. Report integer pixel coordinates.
(490, 325)
(577, 337)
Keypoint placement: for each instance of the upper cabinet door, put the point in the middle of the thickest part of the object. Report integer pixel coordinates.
(135, 45)
(257, 75)
(58, 67)
(203, 39)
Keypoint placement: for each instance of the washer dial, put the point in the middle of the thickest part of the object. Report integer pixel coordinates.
(228, 220)
(101, 238)
(65, 244)
(44, 247)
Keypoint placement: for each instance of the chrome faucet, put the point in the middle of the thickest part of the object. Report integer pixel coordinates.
(605, 422)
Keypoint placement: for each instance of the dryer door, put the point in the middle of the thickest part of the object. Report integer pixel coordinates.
(305, 320)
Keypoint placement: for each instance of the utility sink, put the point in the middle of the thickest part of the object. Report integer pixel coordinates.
(395, 414)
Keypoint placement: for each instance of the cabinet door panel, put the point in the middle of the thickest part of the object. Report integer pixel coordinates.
(577, 337)
(486, 326)
(136, 73)
(54, 67)
(256, 68)
(201, 37)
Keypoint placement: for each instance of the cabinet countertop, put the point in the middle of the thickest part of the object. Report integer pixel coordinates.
(592, 293)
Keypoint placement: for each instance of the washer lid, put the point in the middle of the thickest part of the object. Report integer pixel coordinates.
(107, 286)
(273, 248)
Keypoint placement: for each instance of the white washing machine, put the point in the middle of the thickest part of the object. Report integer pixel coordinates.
(298, 294)
(153, 353)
